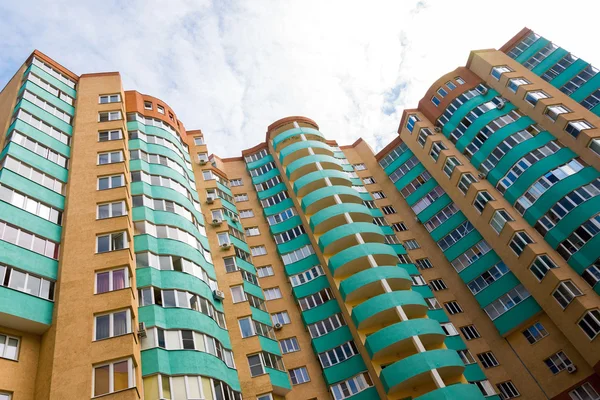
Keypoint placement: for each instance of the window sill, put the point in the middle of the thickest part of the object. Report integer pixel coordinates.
(118, 391)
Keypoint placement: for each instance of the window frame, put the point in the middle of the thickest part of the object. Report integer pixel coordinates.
(130, 376)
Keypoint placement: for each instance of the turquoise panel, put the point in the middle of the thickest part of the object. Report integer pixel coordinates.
(423, 290)
(438, 315)
(224, 188)
(183, 318)
(332, 339)
(187, 362)
(265, 177)
(417, 364)
(404, 157)
(586, 256)
(473, 373)
(47, 96)
(152, 148)
(22, 305)
(157, 169)
(294, 132)
(245, 265)
(328, 192)
(462, 245)
(385, 301)
(40, 137)
(532, 50)
(36, 161)
(318, 175)
(261, 316)
(454, 392)
(572, 221)
(52, 80)
(253, 290)
(321, 312)
(409, 177)
(45, 116)
(335, 234)
(464, 109)
(358, 251)
(30, 222)
(434, 208)
(259, 163)
(497, 289)
(280, 187)
(294, 147)
(279, 379)
(367, 394)
(478, 267)
(175, 280)
(569, 73)
(455, 343)
(165, 218)
(400, 331)
(160, 132)
(479, 124)
(344, 370)
(269, 345)
(11, 254)
(285, 225)
(311, 287)
(371, 275)
(421, 191)
(302, 265)
(447, 226)
(279, 207)
(301, 162)
(239, 244)
(293, 244)
(158, 192)
(549, 61)
(517, 315)
(586, 89)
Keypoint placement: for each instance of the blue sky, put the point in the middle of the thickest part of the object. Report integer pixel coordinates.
(231, 68)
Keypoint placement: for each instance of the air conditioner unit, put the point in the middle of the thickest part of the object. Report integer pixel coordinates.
(437, 129)
(571, 368)
(142, 330)
(216, 222)
(500, 105)
(225, 246)
(209, 200)
(277, 326)
(218, 295)
(481, 175)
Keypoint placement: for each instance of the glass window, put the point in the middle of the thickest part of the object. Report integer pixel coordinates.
(113, 377)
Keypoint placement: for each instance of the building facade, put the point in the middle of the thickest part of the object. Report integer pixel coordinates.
(459, 262)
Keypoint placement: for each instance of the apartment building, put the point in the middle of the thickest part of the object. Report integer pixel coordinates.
(459, 262)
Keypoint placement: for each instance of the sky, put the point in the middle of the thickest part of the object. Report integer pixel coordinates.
(231, 68)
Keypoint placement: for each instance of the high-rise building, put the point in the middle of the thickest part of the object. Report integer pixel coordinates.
(459, 262)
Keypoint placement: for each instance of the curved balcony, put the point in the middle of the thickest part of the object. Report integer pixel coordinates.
(414, 370)
(333, 216)
(354, 259)
(381, 310)
(458, 391)
(396, 338)
(286, 138)
(367, 283)
(301, 149)
(305, 165)
(342, 237)
(324, 197)
(317, 179)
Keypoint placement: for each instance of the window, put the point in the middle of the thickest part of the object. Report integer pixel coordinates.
(306, 276)
(436, 148)
(246, 213)
(5, 396)
(352, 386)
(359, 167)
(428, 199)
(237, 294)
(282, 318)
(252, 231)
(326, 325)
(442, 216)
(481, 200)
(19, 237)
(470, 332)
(433, 303)
(423, 263)
(583, 392)
(450, 164)
(299, 375)
(574, 128)
(111, 242)
(160, 109)
(256, 365)
(499, 70)
(488, 360)
(392, 155)
(558, 362)
(466, 357)
(198, 140)
(565, 292)
(202, 158)
(508, 390)
(26, 282)
(488, 277)
(485, 387)
(411, 244)
(404, 169)
(289, 345)
(241, 197)
(378, 195)
(449, 329)
(412, 120)
(315, 299)
(519, 241)
(369, 180)
(437, 284)
(110, 182)
(541, 265)
(499, 219)
(33, 174)
(29, 204)
(442, 92)
(506, 302)
(595, 146)
(535, 333)
(110, 210)
(435, 101)
(404, 259)
(423, 134)
(534, 96)
(514, 83)
(458, 233)
(592, 100)
(258, 251)
(466, 180)
(471, 255)
(399, 227)
(579, 80)
(147, 105)
(590, 323)
(110, 98)
(267, 396)
(105, 136)
(553, 112)
(113, 324)
(115, 279)
(265, 271)
(417, 280)
(113, 377)
(338, 354)
(272, 293)
(9, 347)
(459, 80)
(453, 307)
(387, 210)
(297, 255)
(110, 116)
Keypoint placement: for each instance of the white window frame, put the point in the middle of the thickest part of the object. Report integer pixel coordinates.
(6, 339)
(125, 241)
(130, 375)
(110, 209)
(109, 97)
(110, 115)
(111, 328)
(110, 279)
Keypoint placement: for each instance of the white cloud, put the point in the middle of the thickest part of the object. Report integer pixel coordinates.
(232, 68)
